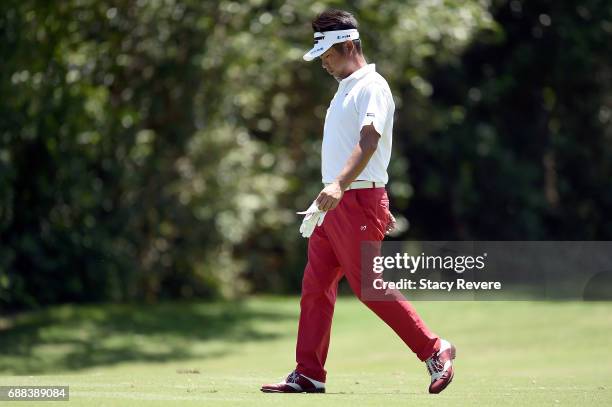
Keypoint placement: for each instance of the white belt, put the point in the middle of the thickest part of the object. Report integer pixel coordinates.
(364, 185)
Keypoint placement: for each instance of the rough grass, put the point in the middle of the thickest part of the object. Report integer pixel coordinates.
(218, 354)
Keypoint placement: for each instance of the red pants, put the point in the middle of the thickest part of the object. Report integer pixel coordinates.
(333, 252)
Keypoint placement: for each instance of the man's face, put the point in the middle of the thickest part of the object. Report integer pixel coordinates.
(334, 62)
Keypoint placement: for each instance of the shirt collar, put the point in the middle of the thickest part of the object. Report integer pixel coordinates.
(360, 73)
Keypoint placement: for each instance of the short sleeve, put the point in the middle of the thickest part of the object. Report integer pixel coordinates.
(373, 107)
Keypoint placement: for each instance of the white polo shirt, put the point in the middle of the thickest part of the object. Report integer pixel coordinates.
(362, 98)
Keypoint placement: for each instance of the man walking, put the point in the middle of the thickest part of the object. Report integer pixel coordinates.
(352, 207)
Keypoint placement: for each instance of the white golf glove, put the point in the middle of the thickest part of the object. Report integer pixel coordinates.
(313, 218)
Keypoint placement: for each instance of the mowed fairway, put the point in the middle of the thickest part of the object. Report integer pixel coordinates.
(218, 354)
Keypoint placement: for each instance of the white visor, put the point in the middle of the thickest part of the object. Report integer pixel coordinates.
(323, 41)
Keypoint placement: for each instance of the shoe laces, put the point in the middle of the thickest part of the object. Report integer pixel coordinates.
(434, 364)
(293, 377)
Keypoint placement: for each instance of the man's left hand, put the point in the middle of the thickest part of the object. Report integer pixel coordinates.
(391, 225)
(330, 196)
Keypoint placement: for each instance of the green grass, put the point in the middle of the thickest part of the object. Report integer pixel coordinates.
(509, 353)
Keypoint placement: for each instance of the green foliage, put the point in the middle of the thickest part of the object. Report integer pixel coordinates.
(516, 144)
(154, 149)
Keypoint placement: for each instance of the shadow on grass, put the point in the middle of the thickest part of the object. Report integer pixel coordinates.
(68, 338)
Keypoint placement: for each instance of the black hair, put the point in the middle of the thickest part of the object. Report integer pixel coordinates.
(332, 20)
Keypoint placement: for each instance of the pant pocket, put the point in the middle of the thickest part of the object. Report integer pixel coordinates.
(374, 210)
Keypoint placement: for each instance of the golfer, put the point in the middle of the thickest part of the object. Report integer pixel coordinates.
(351, 208)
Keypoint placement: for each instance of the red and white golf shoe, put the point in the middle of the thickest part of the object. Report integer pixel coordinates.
(440, 367)
(295, 383)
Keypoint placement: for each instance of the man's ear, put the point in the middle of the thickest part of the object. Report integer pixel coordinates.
(349, 46)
